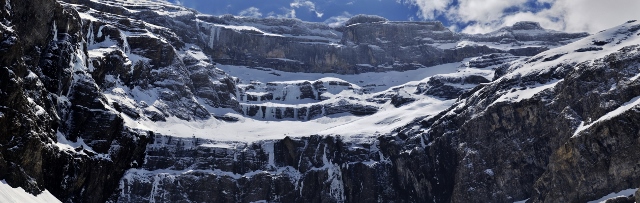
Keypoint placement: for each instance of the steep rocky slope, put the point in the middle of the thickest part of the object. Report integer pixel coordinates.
(558, 127)
(47, 99)
(145, 101)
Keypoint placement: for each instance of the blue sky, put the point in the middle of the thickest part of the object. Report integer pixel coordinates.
(470, 16)
(321, 11)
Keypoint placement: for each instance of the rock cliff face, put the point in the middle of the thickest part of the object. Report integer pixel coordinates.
(552, 129)
(377, 45)
(282, 171)
(49, 100)
(114, 101)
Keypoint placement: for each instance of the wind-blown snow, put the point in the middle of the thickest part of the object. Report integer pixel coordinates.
(87, 16)
(586, 50)
(132, 173)
(38, 109)
(623, 193)
(376, 81)
(623, 108)
(246, 28)
(493, 45)
(613, 40)
(251, 130)
(69, 146)
(519, 95)
(18, 195)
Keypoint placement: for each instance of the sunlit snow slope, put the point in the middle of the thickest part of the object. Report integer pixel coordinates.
(9, 194)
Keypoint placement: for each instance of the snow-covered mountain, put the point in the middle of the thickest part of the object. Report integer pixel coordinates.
(146, 101)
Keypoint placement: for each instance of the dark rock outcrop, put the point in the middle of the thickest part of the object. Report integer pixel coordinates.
(312, 169)
(47, 99)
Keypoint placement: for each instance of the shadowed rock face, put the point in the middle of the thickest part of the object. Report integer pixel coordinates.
(312, 169)
(382, 45)
(533, 148)
(72, 83)
(46, 98)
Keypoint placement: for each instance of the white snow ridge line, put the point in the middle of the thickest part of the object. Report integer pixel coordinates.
(625, 107)
(9, 194)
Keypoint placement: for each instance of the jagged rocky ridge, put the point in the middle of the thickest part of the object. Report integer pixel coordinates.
(83, 80)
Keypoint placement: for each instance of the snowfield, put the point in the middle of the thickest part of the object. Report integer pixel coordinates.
(622, 193)
(18, 195)
(250, 129)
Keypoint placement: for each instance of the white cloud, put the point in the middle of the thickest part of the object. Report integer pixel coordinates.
(288, 13)
(251, 12)
(429, 9)
(337, 21)
(303, 3)
(593, 15)
(578, 15)
(453, 28)
(485, 10)
(566, 15)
